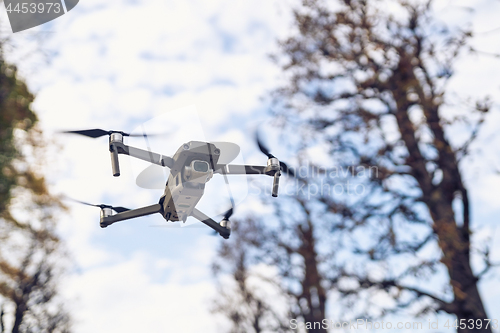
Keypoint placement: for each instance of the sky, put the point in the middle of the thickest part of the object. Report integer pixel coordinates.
(164, 64)
(119, 65)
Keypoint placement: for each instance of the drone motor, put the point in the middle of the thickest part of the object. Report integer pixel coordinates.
(105, 212)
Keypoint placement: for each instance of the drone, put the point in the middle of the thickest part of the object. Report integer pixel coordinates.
(191, 167)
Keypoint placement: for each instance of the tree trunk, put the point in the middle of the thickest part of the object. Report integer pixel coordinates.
(312, 290)
(19, 314)
(467, 304)
(2, 327)
(453, 241)
(471, 311)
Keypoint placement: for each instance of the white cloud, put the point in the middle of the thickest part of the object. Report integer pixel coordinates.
(126, 297)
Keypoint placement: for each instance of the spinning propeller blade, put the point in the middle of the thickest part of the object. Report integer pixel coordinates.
(92, 133)
(286, 169)
(153, 177)
(228, 214)
(117, 209)
(265, 150)
(228, 151)
(262, 147)
(97, 133)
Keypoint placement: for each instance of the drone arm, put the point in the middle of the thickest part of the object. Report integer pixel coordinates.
(130, 214)
(242, 169)
(145, 155)
(224, 232)
(272, 169)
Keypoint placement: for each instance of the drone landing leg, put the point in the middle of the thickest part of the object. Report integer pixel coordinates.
(115, 165)
(130, 214)
(224, 232)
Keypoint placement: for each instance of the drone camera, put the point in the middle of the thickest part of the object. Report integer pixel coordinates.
(198, 172)
(200, 166)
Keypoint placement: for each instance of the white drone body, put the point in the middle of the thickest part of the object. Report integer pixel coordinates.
(191, 167)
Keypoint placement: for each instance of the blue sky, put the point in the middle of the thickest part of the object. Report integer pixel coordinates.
(119, 64)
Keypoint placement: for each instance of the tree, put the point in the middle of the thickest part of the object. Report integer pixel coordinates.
(368, 88)
(291, 290)
(392, 114)
(238, 299)
(30, 251)
(289, 246)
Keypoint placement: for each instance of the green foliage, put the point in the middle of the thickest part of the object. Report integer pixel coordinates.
(31, 255)
(15, 112)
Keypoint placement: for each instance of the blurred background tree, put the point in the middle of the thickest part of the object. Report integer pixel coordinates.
(31, 255)
(256, 300)
(368, 96)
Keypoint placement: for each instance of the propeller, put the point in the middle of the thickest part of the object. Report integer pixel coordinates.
(225, 220)
(153, 177)
(228, 151)
(116, 209)
(97, 133)
(284, 167)
(228, 214)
